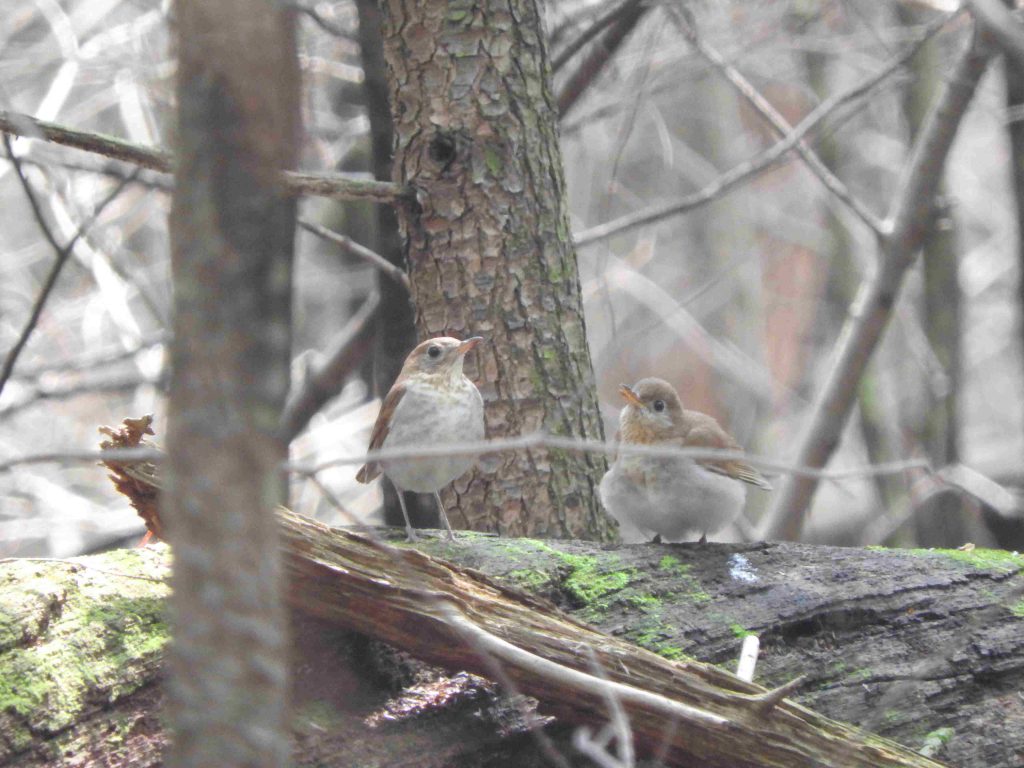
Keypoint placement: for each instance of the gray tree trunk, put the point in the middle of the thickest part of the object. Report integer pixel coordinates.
(232, 229)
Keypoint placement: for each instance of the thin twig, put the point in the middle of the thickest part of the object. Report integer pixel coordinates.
(484, 447)
(118, 456)
(597, 27)
(541, 440)
(88, 362)
(320, 385)
(351, 247)
(877, 295)
(332, 185)
(572, 679)
(588, 70)
(761, 162)
(63, 252)
(40, 393)
(782, 127)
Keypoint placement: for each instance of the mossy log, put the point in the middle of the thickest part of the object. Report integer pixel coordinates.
(919, 646)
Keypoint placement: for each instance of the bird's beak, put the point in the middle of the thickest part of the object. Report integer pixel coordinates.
(468, 344)
(630, 396)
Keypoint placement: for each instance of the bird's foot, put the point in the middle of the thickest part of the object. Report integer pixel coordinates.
(703, 539)
(656, 539)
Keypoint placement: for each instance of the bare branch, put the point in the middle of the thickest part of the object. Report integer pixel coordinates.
(331, 185)
(63, 252)
(347, 350)
(877, 295)
(593, 64)
(755, 165)
(599, 25)
(41, 393)
(351, 247)
(483, 447)
(121, 456)
(578, 445)
(1002, 24)
(782, 127)
(90, 361)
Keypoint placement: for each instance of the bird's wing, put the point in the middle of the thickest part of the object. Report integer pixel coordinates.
(712, 436)
(371, 469)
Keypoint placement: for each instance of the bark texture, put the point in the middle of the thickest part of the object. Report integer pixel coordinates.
(232, 231)
(489, 249)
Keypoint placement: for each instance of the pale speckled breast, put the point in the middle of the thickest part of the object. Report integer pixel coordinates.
(430, 417)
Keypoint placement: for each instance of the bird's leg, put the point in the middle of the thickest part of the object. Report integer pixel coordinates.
(410, 534)
(444, 516)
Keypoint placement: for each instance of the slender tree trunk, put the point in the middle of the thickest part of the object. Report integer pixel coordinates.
(1015, 106)
(490, 252)
(878, 422)
(395, 331)
(940, 262)
(232, 230)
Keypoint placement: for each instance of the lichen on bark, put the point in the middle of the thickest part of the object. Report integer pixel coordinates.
(489, 249)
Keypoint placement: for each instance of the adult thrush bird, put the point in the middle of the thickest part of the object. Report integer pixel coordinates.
(673, 496)
(432, 403)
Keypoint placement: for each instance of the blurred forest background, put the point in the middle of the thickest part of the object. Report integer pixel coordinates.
(738, 300)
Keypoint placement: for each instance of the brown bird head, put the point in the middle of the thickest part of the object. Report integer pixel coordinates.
(653, 412)
(438, 360)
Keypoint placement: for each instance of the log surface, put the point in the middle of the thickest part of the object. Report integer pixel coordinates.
(903, 643)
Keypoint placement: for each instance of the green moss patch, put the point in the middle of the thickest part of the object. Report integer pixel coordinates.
(979, 558)
(690, 587)
(77, 634)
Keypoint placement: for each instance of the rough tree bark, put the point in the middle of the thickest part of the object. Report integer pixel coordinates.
(489, 249)
(232, 229)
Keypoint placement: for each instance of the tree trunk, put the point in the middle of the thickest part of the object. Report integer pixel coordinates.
(490, 252)
(904, 643)
(940, 263)
(1015, 126)
(395, 331)
(232, 231)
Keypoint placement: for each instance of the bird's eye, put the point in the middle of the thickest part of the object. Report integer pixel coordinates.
(659, 405)
(433, 351)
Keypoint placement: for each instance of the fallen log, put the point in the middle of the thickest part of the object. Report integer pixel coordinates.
(922, 646)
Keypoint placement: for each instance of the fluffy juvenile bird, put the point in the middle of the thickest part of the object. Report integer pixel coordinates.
(432, 403)
(673, 496)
